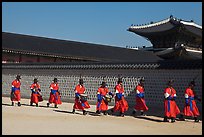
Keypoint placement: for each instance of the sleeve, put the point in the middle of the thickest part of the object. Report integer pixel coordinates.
(13, 86)
(117, 89)
(141, 95)
(99, 97)
(51, 87)
(166, 93)
(119, 95)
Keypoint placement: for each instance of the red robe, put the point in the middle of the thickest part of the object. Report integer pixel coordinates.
(103, 105)
(35, 95)
(55, 98)
(140, 102)
(120, 105)
(170, 107)
(78, 103)
(16, 85)
(191, 109)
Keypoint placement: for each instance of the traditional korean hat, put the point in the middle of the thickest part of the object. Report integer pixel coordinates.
(81, 81)
(192, 83)
(170, 82)
(18, 77)
(35, 80)
(142, 79)
(55, 80)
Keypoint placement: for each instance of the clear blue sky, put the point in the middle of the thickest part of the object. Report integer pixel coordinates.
(92, 22)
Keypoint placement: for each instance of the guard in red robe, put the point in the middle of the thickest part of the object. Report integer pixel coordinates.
(140, 101)
(102, 103)
(36, 93)
(54, 94)
(80, 102)
(15, 91)
(190, 107)
(120, 103)
(170, 107)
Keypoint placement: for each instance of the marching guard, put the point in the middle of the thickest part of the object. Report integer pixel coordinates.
(140, 101)
(120, 103)
(54, 94)
(15, 91)
(170, 107)
(81, 102)
(36, 93)
(190, 107)
(103, 97)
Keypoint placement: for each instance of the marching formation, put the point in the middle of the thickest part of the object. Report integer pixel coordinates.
(104, 96)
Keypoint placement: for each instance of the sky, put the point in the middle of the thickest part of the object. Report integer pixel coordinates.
(93, 22)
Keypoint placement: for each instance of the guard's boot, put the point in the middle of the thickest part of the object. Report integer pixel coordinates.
(173, 120)
(142, 113)
(105, 113)
(19, 104)
(133, 112)
(84, 112)
(12, 103)
(48, 104)
(56, 106)
(196, 119)
(165, 119)
(36, 104)
(31, 104)
(98, 112)
(122, 114)
(181, 118)
(73, 111)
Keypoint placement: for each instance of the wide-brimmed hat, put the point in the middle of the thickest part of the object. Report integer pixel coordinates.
(55, 80)
(170, 82)
(192, 83)
(81, 80)
(104, 83)
(35, 79)
(142, 79)
(18, 77)
(120, 80)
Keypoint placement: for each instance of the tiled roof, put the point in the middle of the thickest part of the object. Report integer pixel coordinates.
(35, 45)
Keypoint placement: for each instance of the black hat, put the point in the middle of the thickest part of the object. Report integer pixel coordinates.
(170, 82)
(81, 81)
(120, 80)
(104, 83)
(18, 77)
(55, 80)
(142, 79)
(35, 80)
(192, 83)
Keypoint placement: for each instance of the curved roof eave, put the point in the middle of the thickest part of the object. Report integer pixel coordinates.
(165, 25)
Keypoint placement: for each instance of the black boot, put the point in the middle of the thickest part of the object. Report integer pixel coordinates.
(122, 114)
(181, 118)
(84, 112)
(133, 112)
(142, 113)
(31, 104)
(105, 113)
(48, 104)
(196, 119)
(56, 106)
(165, 119)
(36, 104)
(73, 111)
(98, 112)
(173, 120)
(19, 104)
(12, 103)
